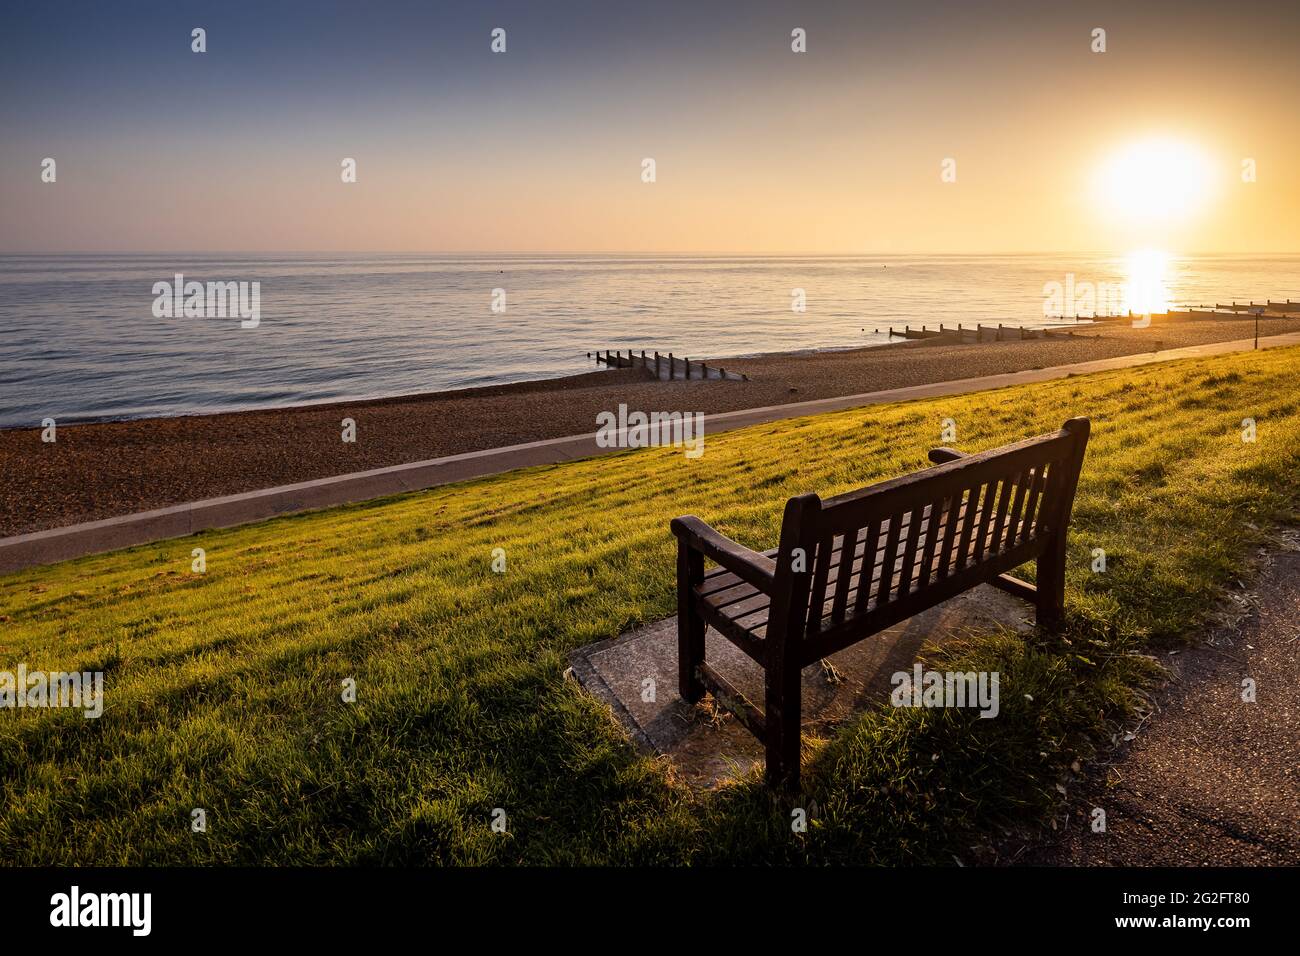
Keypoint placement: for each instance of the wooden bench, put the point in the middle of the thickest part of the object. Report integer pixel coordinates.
(968, 520)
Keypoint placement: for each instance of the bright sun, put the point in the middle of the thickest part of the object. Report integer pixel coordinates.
(1154, 182)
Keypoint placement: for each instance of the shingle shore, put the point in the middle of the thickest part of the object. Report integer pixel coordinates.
(102, 470)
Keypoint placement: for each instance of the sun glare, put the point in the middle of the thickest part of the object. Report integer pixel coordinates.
(1146, 282)
(1154, 182)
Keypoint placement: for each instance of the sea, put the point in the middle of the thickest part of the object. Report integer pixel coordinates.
(84, 337)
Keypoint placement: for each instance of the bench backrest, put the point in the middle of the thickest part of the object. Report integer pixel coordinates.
(879, 555)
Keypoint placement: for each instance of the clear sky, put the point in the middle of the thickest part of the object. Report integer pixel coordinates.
(758, 149)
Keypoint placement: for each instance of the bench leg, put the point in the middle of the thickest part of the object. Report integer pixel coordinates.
(690, 624)
(783, 713)
(1050, 599)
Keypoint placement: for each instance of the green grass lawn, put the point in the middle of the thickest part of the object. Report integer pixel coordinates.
(223, 689)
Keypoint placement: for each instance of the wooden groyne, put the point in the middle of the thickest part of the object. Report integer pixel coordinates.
(1251, 307)
(666, 367)
(669, 367)
(1234, 310)
(966, 334)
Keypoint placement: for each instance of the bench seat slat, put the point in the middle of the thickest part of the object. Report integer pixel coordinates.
(719, 577)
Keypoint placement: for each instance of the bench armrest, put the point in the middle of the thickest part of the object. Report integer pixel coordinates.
(941, 456)
(757, 569)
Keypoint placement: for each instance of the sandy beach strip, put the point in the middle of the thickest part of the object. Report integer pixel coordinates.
(108, 469)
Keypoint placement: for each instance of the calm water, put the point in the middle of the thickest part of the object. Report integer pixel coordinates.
(80, 339)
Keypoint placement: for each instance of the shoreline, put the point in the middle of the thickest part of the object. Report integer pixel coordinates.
(569, 380)
(1086, 328)
(107, 469)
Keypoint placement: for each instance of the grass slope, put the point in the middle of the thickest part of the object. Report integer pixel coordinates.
(223, 689)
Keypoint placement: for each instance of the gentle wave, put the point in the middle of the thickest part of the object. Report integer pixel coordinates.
(80, 340)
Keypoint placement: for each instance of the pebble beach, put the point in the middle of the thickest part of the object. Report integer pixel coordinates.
(106, 469)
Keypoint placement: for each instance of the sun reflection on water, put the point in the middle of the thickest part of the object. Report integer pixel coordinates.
(1146, 282)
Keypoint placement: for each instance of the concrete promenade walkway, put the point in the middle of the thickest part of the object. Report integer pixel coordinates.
(93, 537)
